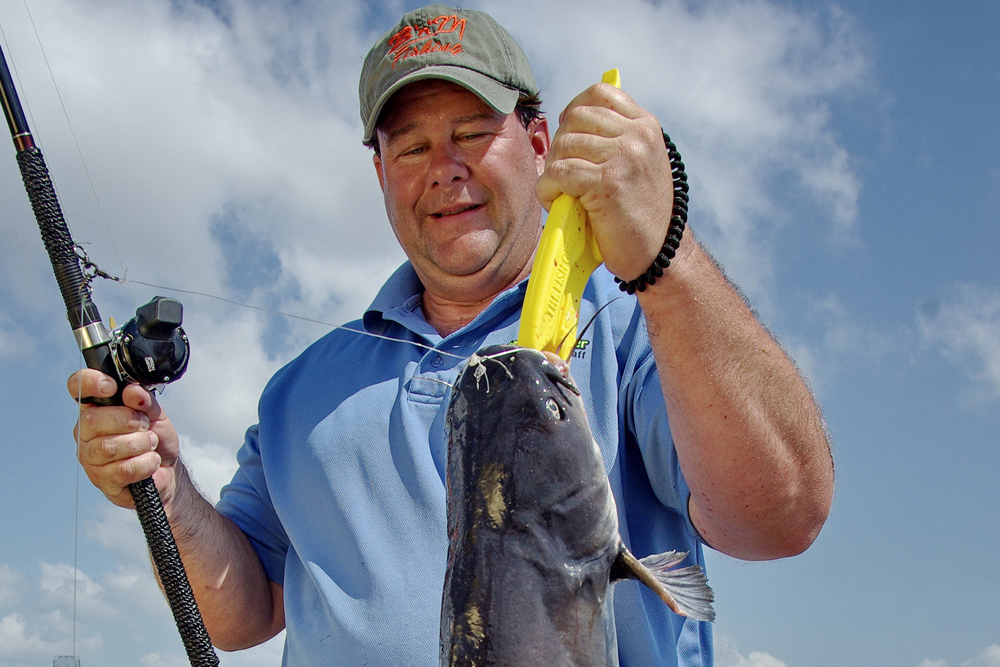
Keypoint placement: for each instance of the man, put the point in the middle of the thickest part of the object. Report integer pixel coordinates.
(334, 526)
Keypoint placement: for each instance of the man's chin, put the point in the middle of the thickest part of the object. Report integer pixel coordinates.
(466, 257)
(471, 269)
(475, 278)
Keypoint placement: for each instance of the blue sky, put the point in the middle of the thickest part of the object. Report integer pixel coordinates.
(845, 170)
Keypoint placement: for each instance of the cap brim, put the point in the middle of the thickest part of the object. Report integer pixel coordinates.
(498, 96)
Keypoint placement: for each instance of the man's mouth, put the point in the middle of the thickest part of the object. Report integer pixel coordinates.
(445, 214)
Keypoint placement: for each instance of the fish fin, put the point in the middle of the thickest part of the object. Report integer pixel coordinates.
(684, 590)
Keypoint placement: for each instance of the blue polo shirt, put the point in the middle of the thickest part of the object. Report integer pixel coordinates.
(341, 485)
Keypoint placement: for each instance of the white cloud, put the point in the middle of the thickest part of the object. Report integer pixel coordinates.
(758, 659)
(988, 657)
(211, 466)
(14, 340)
(11, 582)
(965, 326)
(24, 642)
(727, 655)
(42, 624)
(156, 660)
(16, 641)
(118, 531)
(837, 337)
(63, 585)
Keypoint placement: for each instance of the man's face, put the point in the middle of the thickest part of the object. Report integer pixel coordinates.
(458, 180)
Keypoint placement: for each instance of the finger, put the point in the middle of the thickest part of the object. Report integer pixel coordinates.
(143, 400)
(592, 120)
(106, 450)
(587, 146)
(574, 164)
(98, 422)
(636, 127)
(114, 478)
(87, 383)
(547, 189)
(607, 96)
(574, 177)
(90, 383)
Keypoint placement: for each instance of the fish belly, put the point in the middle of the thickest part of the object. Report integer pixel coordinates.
(508, 605)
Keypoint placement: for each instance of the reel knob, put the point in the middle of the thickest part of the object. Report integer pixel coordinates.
(152, 348)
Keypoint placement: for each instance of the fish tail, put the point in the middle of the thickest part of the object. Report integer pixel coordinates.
(684, 590)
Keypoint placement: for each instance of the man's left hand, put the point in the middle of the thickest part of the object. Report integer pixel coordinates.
(608, 152)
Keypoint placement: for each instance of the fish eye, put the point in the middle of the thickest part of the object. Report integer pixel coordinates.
(553, 407)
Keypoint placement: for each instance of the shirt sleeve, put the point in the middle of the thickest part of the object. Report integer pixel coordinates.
(247, 503)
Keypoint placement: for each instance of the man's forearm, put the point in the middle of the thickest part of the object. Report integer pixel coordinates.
(748, 433)
(240, 606)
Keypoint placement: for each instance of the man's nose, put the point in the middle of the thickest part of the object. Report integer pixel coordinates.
(447, 166)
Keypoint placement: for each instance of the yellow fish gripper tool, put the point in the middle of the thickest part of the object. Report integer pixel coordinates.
(567, 254)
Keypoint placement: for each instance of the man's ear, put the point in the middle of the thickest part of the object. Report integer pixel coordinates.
(538, 135)
(377, 161)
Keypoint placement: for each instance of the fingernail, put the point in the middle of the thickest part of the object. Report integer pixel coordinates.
(107, 386)
(143, 423)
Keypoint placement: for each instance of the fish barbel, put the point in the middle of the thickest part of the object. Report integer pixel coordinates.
(533, 528)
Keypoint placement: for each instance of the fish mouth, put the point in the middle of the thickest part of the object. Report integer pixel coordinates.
(553, 367)
(558, 372)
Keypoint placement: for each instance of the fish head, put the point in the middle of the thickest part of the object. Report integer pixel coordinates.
(520, 445)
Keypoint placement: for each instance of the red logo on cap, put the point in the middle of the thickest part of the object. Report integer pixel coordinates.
(418, 40)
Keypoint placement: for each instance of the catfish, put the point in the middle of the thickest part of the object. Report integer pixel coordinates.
(533, 541)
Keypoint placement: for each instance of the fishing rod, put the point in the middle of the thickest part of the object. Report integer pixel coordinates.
(150, 349)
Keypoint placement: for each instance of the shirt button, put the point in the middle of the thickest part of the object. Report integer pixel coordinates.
(436, 361)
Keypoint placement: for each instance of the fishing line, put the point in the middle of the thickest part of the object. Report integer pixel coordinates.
(16, 75)
(289, 315)
(76, 501)
(447, 384)
(76, 142)
(76, 520)
(272, 311)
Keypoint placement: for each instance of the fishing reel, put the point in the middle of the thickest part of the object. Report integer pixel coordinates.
(151, 349)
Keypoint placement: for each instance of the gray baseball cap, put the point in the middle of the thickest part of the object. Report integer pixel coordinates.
(441, 42)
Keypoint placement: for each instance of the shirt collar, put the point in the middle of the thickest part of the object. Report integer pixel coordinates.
(399, 301)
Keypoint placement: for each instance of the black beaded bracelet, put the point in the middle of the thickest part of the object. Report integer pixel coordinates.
(675, 232)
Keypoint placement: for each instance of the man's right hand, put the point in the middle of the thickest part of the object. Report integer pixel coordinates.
(119, 445)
